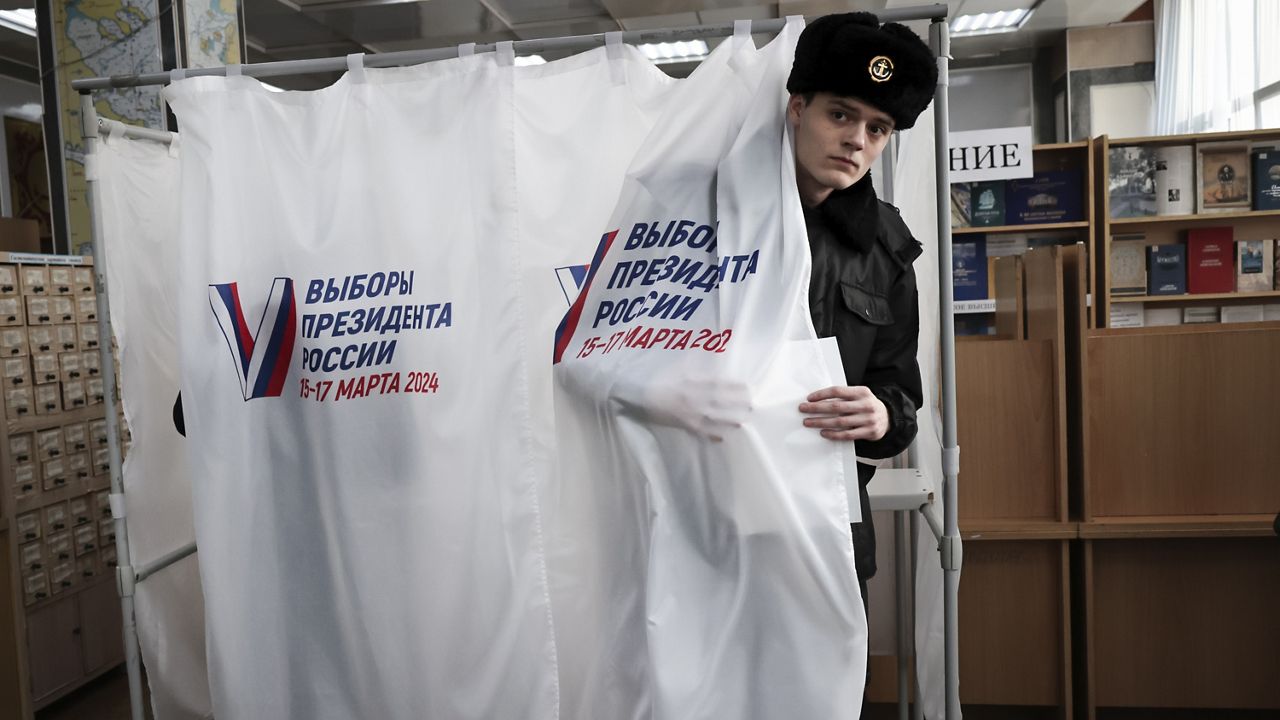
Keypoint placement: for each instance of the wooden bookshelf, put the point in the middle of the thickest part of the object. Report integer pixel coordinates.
(1264, 135)
(1178, 526)
(1168, 229)
(1038, 227)
(1199, 297)
(985, 530)
(1207, 217)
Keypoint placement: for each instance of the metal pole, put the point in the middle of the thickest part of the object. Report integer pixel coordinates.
(902, 579)
(124, 565)
(951, 551)
(414, 57)
(142, 572)
(134, 131)
(917, 708)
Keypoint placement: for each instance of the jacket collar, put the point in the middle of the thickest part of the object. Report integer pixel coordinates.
(854, 213)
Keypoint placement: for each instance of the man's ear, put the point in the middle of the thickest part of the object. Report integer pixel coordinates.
(795, 105)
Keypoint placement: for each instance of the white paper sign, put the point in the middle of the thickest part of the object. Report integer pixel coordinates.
(999, 154)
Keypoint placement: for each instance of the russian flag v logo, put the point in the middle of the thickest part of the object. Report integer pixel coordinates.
(262, 358)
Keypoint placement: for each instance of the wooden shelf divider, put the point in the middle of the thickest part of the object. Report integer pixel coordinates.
(1041, 227)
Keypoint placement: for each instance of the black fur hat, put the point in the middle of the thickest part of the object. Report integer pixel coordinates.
(852, 54)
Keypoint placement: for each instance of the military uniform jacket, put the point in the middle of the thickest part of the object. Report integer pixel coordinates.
(863, 293)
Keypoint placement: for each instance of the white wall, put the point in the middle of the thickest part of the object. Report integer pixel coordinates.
(990, 97)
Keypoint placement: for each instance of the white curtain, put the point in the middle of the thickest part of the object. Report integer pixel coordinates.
(915, 187)
(699, 549)
(1212, 56)
(138, 215)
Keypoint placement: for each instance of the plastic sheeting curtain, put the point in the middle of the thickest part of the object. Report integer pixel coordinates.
(138, 213)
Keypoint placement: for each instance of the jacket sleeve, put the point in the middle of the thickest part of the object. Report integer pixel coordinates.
(893, 374)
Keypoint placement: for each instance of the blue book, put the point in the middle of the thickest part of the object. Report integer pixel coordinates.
(1047, 197)
(1266, 180)
(969, 268)
(1167, 269)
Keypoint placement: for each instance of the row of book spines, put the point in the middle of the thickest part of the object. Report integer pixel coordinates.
(1049, 197)
(973, 260)
(1131, 315)
(1172, 188)
(1210, 262)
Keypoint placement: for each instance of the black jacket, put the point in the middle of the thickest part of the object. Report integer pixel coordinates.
(863, 292)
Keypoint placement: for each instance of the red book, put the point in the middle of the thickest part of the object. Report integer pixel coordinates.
(1210, 260)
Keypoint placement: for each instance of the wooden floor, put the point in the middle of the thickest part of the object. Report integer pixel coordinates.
(106, 698)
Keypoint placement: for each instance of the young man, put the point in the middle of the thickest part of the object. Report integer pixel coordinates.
(852, 84)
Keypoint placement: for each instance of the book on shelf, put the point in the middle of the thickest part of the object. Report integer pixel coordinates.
(1275, 267)
(1175, 177)
(1162, 316)
(961, 205)
(1210, 260)
(1167, 269)
(1201, 314)
(1006, 244)
(1271, 312)
(1131, 187)
(1224, 177)
(1126, 315)
(1255, 266)
(1241, 313)
(969, 269)
(1266, 179)
(1128, 264)
(987, 204)
(976, 324)
(1047, 197)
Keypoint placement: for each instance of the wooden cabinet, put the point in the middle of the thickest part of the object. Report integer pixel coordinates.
(54, 650)
(70, 640)
(1183, 622)
(1015, 632)
(102, 630)
(60, 622)
(73, 638)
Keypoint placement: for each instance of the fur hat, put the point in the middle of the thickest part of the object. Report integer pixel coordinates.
(852, 54)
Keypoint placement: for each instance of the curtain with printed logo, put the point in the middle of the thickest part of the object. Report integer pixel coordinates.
(357, 411)
(700, 554)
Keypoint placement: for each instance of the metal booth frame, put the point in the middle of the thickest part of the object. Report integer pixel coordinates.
(899, 490)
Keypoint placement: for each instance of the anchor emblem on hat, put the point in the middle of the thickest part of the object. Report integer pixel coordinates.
(881, 68)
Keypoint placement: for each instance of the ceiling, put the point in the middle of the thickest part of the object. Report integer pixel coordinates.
(298, 29)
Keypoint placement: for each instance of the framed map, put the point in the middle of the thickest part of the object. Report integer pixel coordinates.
(211, 33)
(94, 38)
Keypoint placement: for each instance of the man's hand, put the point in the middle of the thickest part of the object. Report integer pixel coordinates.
(707, 406)
(846, 413)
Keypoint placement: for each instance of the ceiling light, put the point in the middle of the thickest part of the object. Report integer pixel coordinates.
(23, 21)
(1001, 21)
(685, 51)
(523, 60)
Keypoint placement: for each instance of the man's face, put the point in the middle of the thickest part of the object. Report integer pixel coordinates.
(837, 140)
